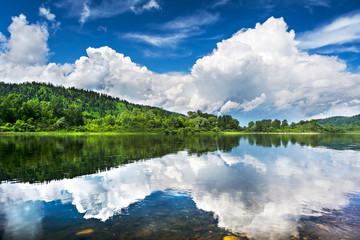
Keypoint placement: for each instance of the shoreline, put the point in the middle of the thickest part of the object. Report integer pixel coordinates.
(161, 133)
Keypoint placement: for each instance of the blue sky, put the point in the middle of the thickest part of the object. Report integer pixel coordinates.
(253, 59)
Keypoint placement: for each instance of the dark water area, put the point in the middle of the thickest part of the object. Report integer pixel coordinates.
(180, 187)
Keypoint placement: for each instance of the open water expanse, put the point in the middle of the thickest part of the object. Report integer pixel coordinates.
(180, 187)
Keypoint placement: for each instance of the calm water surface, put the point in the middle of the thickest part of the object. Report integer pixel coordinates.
(173, 187)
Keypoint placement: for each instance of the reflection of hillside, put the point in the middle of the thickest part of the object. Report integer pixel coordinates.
(43, 158)
(342, 142)
(332, 141)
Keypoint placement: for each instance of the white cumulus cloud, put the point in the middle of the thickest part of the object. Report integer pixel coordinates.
(2, 37)
(255, 69)
(27, 43)
(246, 106)
(266, 60)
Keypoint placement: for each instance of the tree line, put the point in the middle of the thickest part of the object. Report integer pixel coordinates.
(32, 107)
(268, 125)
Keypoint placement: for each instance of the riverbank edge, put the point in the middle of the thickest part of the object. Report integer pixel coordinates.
(161, 133)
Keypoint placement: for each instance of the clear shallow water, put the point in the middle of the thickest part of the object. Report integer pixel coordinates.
(171, 187)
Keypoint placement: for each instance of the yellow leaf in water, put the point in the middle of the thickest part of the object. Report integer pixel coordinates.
(231, 238)
(84, 232)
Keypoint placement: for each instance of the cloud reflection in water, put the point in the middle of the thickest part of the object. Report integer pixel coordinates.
(260, 191)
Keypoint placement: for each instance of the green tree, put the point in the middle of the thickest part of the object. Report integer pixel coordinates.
(31, 109)
(284, 123)
(10, 108)
(73, 116)
(57, 107)
(60, 124)
(276, 124)
(201, 122)
(259, 126)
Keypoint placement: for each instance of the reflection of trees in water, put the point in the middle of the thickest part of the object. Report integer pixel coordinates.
(43, 158)
(277, 140)
(333, 141)
(200, 144)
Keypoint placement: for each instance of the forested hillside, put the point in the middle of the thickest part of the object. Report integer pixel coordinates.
(34, 107)
(339, 120)
(30, 107)
(268, 125)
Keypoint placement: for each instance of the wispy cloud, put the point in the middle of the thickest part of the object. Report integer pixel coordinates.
(90, 9)
(151, 5)
(342, 30)
(220, 3)
(310, 4)
(109, 8)
(174, 31)
(45, 12)
(169, 54)
(339, 49)
(158, 41)
(270, 5)
(192, 22)
(102, 29)
(85, 13)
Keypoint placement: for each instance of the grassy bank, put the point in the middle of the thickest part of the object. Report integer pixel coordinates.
(78, 133)
(161, 133)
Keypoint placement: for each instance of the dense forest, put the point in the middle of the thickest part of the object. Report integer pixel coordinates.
(33, 107)
(36, 107)
(340, 121)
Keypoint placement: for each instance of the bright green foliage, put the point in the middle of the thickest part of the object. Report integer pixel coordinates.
(284, 123)
(205, 122)
(10, 108)
(201, 122)
(267, 125)
(44, 107)
(31, 107)
(276, 124)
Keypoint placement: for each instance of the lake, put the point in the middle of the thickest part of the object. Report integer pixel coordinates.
(180, 187)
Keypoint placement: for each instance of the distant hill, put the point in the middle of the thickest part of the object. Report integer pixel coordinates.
(340, 120)
(34, 107)
(93, 104)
